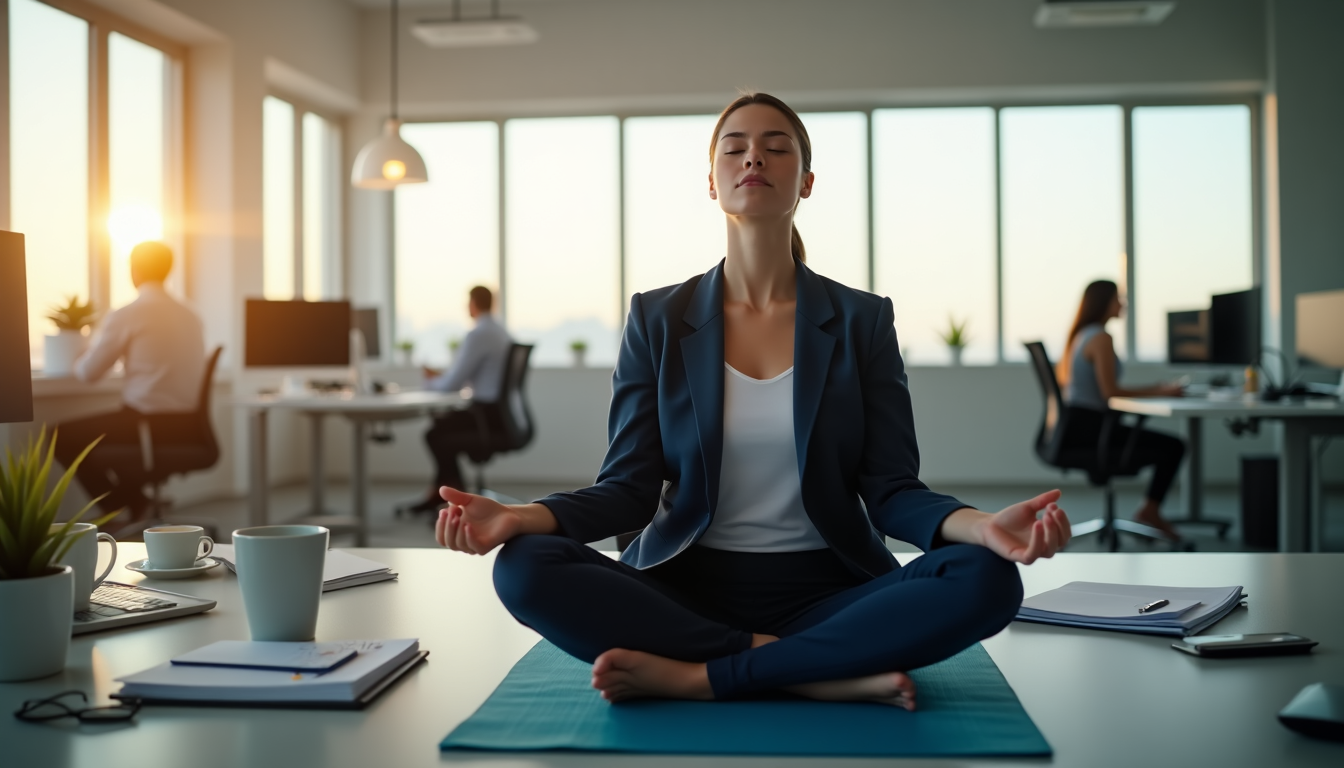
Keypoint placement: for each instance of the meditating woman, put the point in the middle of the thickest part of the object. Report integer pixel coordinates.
(1090, 374)
(762, 442)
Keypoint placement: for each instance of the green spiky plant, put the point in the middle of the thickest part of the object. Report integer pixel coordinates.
(578, 345)
(73, 316)
(955, 336)
(28, 545)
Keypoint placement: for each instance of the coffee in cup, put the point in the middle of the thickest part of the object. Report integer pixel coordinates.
(82, 556)
(176, 546)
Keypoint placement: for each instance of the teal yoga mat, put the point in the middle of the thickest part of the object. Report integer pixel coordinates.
(546, 703)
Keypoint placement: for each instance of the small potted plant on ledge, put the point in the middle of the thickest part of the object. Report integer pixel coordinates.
(406, 352)
(955, 338)
(454, 344)
(37, 598)
(61, 350)
(578, 348)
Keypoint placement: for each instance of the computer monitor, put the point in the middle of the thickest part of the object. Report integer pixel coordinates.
(1320, 328)
(1188, 337)
(1234, 328)
(366, 322)
(16, 377)
(297, 333)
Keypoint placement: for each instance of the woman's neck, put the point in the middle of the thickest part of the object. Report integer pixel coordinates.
(759, 267)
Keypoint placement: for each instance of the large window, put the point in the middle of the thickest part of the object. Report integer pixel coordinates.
(933, 172)
(300, 203)
(562, 235)
(80, 213)
(994, 219)
(447, 234)
(1063, 218)
(1192, 212)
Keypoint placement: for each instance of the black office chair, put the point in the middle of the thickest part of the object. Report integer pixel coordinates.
(518, 429)
(1064, 442)
(186, 443)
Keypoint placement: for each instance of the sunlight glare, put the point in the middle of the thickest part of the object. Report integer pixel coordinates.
(132, 225)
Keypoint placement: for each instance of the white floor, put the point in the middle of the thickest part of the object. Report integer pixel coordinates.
(387, 530)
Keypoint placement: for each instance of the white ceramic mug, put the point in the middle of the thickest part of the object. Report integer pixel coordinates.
(280, 575)
(176, 546)
(83, 558)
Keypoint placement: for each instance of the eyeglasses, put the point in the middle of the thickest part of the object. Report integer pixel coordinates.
(53, 708)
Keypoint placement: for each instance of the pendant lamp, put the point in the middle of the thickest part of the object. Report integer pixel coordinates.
(388, 162)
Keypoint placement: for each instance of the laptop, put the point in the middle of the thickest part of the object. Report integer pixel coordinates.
(114, 604)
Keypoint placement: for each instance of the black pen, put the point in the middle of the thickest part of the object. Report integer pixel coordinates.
(1153, 606)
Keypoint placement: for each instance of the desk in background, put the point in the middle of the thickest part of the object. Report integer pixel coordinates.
(1300, 511)
(1102, 699)
(360, 410)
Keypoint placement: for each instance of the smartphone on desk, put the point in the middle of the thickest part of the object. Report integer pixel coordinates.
(1224, 646)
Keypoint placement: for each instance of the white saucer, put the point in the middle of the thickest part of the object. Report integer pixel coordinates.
(143, 567)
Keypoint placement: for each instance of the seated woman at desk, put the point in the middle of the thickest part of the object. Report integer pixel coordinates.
(761, 436)
(1090, 373)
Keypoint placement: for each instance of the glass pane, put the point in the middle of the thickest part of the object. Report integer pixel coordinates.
(563, 236)
(137, 76)
(1063, 218)
(933, 190)
(447, 234)
(48, 155)
(321, 201)
(673, 231)
(277, 199)
(834, 220)
(1192, 212)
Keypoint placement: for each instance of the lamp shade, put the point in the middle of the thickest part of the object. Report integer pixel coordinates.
(388, 162)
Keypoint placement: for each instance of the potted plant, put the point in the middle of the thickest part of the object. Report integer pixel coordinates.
(454, 344)
(61, 351)
(579, 348)
(405, 352)
(955, 338)
(36, 597)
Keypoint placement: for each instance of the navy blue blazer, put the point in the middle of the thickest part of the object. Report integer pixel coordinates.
(857, 457)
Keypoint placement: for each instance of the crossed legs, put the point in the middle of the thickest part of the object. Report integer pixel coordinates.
(650, 637)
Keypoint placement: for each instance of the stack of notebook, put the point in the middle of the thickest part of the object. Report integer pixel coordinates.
(340, 674)
(341, 569)
(1176, 611)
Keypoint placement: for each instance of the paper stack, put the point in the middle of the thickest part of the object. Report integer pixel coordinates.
(341, 570)
(1188, 610)
(376, 664)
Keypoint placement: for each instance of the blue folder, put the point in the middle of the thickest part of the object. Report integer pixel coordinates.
(546, 702)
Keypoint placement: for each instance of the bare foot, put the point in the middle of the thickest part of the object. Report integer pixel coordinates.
(620, 674)
(1150, 516)
(894, 688)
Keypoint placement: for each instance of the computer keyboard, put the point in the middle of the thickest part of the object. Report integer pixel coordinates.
(114, 600)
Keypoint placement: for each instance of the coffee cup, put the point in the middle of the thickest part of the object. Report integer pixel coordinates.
(173, 547)
(82, 556)
(280, 576)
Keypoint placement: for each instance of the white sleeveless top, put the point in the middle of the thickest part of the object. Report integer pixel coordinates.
(760, 505)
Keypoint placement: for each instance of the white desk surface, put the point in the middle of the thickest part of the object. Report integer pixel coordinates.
(1200, 407)
(1101, 698)
(348, 402)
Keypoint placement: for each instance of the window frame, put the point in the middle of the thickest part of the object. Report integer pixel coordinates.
(1249, 99)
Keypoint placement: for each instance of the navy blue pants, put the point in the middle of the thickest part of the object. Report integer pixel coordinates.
(704, 605)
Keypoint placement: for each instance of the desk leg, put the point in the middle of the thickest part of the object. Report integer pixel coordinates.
(359, 481)
(1315, 499)
(1293, 486)
(316, 468)
(1192, 474)
(256, 474)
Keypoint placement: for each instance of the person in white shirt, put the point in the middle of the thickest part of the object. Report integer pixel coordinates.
(161, 343)
(478, 364)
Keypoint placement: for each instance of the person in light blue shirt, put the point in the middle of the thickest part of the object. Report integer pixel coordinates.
(478, 365)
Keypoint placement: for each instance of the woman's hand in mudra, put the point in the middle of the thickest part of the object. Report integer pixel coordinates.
(476, 524)
(1016, 533)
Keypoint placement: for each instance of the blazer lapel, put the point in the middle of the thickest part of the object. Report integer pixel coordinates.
(812, 350)
(702, 353)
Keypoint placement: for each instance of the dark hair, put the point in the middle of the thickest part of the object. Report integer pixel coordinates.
(804, 145)
(482, 298)
(1097, 298)
(152, 260)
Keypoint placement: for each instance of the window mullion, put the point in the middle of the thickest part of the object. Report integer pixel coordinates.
(299, 284)
(100, 246)
(998, 233)
(1131, 315)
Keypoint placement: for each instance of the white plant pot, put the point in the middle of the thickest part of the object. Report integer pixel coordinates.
(956, 354)
(59, 352)
(578, 356)
(35, 634)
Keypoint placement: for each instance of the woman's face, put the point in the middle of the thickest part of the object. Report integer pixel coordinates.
(1117, 308)
(758, 165)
